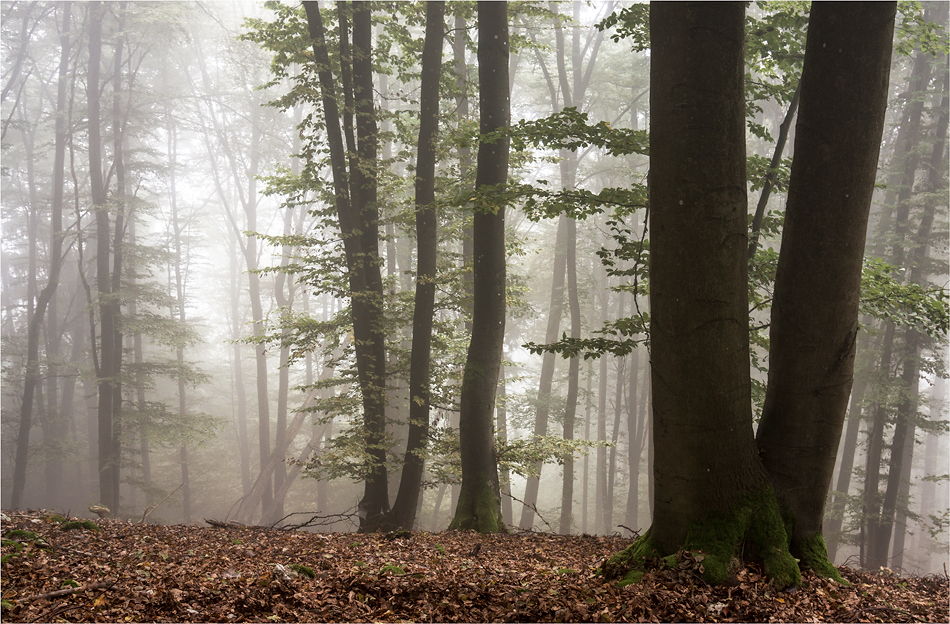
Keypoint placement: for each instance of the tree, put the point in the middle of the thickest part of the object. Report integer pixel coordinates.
(55, 256)
(712, 488)
(410, 483)
(814, 323)
(479, 503)
(354, 185)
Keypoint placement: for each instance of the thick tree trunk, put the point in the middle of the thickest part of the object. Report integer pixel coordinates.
(479, 505)
(817, 286)
(410, 484)
(712, 492)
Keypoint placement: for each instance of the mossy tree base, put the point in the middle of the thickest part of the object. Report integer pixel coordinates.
(753, 530)
(813, 555)
(478, 508)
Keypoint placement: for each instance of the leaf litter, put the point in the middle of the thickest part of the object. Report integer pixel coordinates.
(139, 572)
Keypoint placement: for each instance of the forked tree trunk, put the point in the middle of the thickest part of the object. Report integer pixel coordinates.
(358, 218)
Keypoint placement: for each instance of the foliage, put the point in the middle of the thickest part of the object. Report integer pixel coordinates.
(884, 295)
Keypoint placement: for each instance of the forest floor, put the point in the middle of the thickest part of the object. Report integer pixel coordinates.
(126, 572)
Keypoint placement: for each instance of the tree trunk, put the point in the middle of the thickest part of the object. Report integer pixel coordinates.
(602, 522)
(712, 492)
(635, 428)
(237, 365)
(815, 309)
(501, 430)
(55, 255)
(106, 369)
(358, 218)
(879, 511)
(180, 313)
(831, 529)
(479, 505)
(427, 236)
(573, 379)
(548, 360)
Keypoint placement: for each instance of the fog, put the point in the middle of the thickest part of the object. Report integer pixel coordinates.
(230, 294)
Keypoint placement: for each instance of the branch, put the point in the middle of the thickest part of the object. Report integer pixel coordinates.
(59, 593)
(512, 497)
(152, 508)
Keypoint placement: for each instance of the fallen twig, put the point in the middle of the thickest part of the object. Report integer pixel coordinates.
(855, 613)
(532, 507)
(636, 533)
(59, 593)
(152, 508)
(225, 524)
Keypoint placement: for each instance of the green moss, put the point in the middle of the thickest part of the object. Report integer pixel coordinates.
(80, 524)
(302, 569)
(813, 554)
(55, 518)
(753, 530)
(478, 509)
(633, 576)
(23, 535)
(633, 557)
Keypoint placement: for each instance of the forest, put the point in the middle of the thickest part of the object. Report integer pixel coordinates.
(672, 276)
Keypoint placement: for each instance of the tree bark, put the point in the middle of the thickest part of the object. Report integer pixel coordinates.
(427, 236)
(479, 505)
(55, 257)
(814, 322)
(712, 491)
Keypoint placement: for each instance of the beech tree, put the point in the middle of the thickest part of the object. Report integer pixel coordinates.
(714, 486)
(814, 322)
(410, 483)
(479, 502)
(354, 185)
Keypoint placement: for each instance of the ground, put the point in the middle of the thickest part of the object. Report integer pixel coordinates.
(127, 572)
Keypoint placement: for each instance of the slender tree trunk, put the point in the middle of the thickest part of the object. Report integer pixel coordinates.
(573, 379)
(479, 504)
(902, 446)
(878, 509)
(244, 447)
(179, 285)
(55, 254)
(548, 360)
(634, 443)
(106, 365)
(501, 430)
(831, 528)
(427, 237)
(588, 402)
(602, 523)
